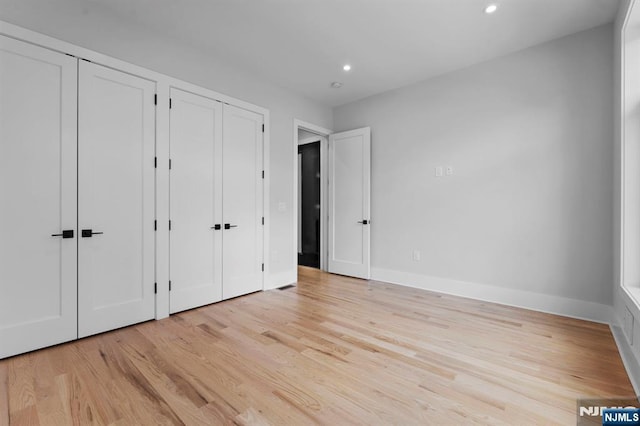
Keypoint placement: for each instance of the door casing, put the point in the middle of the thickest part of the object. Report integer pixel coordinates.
(323, 135)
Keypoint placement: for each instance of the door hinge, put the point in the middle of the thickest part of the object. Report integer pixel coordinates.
(169, 103)
(263, 220)
(155, 225)
(169, 225)
(263, 128)
(169, 163)
(169, 285)
(155, 99)
(155, 288)
(155, 162)
(263, 174)
(263, 267)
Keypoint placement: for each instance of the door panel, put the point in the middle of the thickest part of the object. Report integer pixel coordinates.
(116, 145)
(242, 202)
(196, 189)
(349, 205)
(38, 197)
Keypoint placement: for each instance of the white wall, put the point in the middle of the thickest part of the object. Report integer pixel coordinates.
(529, 207)
(153, 51)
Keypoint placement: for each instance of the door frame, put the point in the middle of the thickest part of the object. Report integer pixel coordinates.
(323, 135)
(323, 141)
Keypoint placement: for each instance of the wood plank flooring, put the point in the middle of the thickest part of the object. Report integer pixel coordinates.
(333, 350)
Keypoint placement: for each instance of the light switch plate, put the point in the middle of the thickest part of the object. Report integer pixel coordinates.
(416, 255)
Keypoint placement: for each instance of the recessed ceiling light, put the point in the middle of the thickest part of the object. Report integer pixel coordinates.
(490, 9)
(347, 67)
(336, 85)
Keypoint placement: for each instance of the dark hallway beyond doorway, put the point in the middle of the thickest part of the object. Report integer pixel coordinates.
(309, 251)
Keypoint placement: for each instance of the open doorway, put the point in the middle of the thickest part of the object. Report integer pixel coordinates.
(309, 201)
(310, 194)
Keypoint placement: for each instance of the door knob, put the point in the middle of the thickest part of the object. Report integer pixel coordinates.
(229, 226)
(364, 222)
(88, 233)
(217, 227)
(67, 233)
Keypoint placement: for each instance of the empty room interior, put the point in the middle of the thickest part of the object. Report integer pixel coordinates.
(289, 212)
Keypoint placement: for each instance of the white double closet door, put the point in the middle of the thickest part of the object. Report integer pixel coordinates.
(116, 199)
(76, 154)
(216, 190)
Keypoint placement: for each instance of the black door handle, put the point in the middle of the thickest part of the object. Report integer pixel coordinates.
(88, 233)
(229, 226)
(67, 233)
(364, 222)
(217, 227)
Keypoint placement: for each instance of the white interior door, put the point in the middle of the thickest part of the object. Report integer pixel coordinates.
(195, 201)
(37, 197)
(242, 191)
(116, 144)
(349, 202)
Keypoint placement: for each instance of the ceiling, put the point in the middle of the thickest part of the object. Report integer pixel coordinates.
(303, 44)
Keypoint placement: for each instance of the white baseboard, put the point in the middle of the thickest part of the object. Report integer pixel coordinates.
(281, 279)
(628, 358)
(558, 305)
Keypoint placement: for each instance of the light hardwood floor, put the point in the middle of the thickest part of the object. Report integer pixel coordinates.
(332, 350)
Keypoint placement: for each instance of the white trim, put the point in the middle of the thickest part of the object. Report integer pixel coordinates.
(162, 202)
(628, 359)
(163, 85)
(628, 352)
(557, 305)
(267, 279)
(622, 125)
(324, 202)
(309, 140)
(324, 133)
(299, 124)
(217, 96)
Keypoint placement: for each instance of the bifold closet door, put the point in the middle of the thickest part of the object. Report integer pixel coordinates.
(116, 211)
(38, 197)
(242, 211)
(195, 201)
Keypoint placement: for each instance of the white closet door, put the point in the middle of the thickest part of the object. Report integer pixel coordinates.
(196, 201)
(116, 143)
(37, 197)
(349, 205)
(242, 202)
